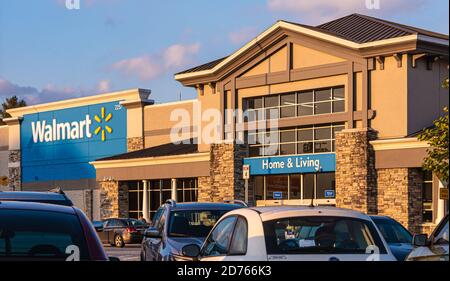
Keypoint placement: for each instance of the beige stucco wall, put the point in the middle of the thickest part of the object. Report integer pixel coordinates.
(275, 63)
(306, 57)
(3, 153)
(158, 124)
(388, 98)
(426, 97)
(209, 103)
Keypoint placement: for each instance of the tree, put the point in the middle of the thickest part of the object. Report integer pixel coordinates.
(437, 136)
(12, 102)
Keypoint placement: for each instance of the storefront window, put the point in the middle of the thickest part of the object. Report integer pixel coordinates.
(427, 197)
(259, 187)
(299, 186)
(295, 187)
(277, 183)
(308, 186)
(325, 182)
(300, 140)
(307, 103)
(288, 106)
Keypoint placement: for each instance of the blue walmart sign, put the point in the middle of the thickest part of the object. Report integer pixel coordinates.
(58, 145)
(297, 164)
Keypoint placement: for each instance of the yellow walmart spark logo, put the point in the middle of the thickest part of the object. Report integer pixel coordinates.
(103, 129)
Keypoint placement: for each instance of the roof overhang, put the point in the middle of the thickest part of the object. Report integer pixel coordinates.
(134, 95)
(151, 161)
(316, 34)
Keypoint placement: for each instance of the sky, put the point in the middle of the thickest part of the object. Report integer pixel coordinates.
(49, 52)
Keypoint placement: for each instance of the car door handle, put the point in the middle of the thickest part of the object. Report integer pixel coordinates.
(333, 259)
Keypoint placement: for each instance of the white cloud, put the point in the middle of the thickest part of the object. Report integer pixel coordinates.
(179, 55)
(144, 67)
(148, 67)
(103, 86)
(242, 35)
(318, 11)
(48, 93)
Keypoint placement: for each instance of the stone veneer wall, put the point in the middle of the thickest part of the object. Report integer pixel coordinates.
(356, 186)
(113, 200)
(400, 196)
(225, 181)
(134, 144)
(14, 170)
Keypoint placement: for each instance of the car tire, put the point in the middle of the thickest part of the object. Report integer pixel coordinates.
(118, 241)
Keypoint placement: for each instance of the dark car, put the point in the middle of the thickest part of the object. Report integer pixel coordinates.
(398, 237)
(118, 232)
(37, 231)
(176, 225)
(55, 196)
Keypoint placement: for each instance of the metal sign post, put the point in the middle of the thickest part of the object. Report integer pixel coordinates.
(246, 177)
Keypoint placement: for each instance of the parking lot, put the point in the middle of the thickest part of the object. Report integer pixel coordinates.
(127, 253)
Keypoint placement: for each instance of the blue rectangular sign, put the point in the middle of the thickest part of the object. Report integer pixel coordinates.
(277, 195)
(59, 144)
(329, 194)
(297, 164)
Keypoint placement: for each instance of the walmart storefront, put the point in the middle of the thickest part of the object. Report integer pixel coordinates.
(51, 145)
(294, 179)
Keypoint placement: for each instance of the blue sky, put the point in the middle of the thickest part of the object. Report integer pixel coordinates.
(48, 52)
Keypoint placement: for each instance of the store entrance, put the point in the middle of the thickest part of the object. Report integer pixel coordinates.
(159, 191)
(298, 189)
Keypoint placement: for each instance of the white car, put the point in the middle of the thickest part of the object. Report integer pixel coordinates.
(288, 233)
(434, 248)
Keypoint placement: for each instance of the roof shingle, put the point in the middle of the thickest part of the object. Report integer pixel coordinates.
(168, 149)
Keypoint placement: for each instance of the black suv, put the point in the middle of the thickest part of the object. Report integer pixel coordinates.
(54, 196)
(176, 225)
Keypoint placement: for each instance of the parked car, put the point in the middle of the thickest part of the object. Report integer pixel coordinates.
(434, 248)
(178, 224)
(120, 231)
(396, 235)
(292, 233)
(37, 231)
(54, 196)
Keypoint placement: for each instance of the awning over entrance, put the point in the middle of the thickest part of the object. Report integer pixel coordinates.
(165, 161)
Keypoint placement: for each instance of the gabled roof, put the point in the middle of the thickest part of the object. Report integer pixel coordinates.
(363, 29)
(354, 31)
(169, 149)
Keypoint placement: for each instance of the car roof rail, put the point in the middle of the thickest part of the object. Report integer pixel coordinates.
(239, 202)
(171, 202)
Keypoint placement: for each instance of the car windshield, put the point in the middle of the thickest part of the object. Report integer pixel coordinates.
(442, 236)
(321, 235)
(193, 223)
(40, 235)
(392, 231)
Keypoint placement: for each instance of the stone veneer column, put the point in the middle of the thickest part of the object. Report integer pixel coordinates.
(113, 200)
(14, 170)
(355, 170)
(225, 181)
(136, 143)
(400, 196)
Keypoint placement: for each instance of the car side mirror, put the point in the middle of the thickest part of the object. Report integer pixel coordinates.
(420, 240)
(152, 232)
(191, 251)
